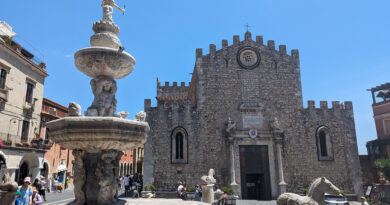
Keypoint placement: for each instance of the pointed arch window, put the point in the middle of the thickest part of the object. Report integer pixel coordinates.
(179, 145)
(324, 144)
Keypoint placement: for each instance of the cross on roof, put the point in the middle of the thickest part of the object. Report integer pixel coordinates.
(247, 27)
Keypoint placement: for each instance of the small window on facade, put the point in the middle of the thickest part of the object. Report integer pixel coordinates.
(29, 92)
(3, 76)
(322, 136)
(25, 130)
(179, 144)
(324, 144)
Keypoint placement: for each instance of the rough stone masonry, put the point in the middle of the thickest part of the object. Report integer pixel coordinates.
(242, 114)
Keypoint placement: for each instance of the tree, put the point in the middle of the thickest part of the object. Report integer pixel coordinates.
(383, 165)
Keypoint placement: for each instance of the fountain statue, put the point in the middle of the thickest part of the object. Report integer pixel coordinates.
(98, 138)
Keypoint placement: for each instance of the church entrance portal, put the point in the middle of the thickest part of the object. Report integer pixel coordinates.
(254, 169)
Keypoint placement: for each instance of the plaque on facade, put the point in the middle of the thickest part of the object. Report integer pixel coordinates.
(248, 57)
(253, 133)
(250, 120)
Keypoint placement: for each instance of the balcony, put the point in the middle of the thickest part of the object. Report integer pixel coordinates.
(24, 52)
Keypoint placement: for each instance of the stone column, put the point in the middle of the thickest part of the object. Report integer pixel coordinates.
(282, 183)
(233, 183)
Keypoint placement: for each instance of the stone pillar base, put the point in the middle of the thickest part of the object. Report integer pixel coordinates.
(96, 176)
(7, 197)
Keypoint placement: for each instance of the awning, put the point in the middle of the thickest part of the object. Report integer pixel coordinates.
(61, 168)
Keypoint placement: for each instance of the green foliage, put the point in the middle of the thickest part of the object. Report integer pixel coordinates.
(305, 190)
(152, 187)
(230, 191)
(383, 165)
(342, 192)
(146, 187)
(7, 39)
(225, 189)
(191, 189)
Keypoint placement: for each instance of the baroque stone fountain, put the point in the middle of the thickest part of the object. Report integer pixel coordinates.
(98, 138)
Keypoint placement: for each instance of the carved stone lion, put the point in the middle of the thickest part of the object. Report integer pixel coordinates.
(122, 114)
(74, 109)
(141, 116)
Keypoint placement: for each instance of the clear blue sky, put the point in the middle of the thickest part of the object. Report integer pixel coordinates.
(344, 45)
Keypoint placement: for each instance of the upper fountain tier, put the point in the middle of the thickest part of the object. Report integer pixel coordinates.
(105, 57)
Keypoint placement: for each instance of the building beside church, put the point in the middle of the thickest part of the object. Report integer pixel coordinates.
(22, 78)
(242, 114)
(380, 147)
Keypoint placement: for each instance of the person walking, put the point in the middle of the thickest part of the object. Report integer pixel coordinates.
(48, 185)
(198, 193)
(67, 182)
(127, 184)
(55, 184)
(42, 188)
(26, 192)
(36, 198)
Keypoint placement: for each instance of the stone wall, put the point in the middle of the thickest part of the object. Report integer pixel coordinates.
(252, 98)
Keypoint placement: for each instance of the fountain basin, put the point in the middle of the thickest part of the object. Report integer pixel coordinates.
(98, 133)
(102, 61)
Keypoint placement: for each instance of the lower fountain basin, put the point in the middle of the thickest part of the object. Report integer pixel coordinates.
(102, 61)
(98, 133)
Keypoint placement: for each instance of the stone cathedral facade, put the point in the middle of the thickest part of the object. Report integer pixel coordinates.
(242, 114)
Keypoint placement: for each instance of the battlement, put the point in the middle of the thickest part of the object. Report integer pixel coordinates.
(347, 105)
(172, 92)
(248, 37)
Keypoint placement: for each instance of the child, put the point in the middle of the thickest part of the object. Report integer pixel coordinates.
(36, 198)
(17, 199)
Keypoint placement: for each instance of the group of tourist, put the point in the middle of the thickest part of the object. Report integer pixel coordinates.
(182, 192)
(31, 194)
(128, 181)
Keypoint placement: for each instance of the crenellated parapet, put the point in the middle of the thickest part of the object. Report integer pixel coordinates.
(169, 92)
(336, 109)
(247, 41)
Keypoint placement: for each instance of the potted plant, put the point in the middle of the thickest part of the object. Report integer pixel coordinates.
(18, 144)
(26, 144)
(34, 145)
(148, 191)
(7, 142)
(1, 143)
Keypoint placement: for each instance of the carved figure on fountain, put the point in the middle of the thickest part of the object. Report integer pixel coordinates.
(74, 109)
(116, 165)
(140, 116)
(122, 114)
(104, 103)
(79, 177)
(106, 177)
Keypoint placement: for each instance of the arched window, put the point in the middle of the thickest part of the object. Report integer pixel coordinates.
(179, 145)
(324, 144)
